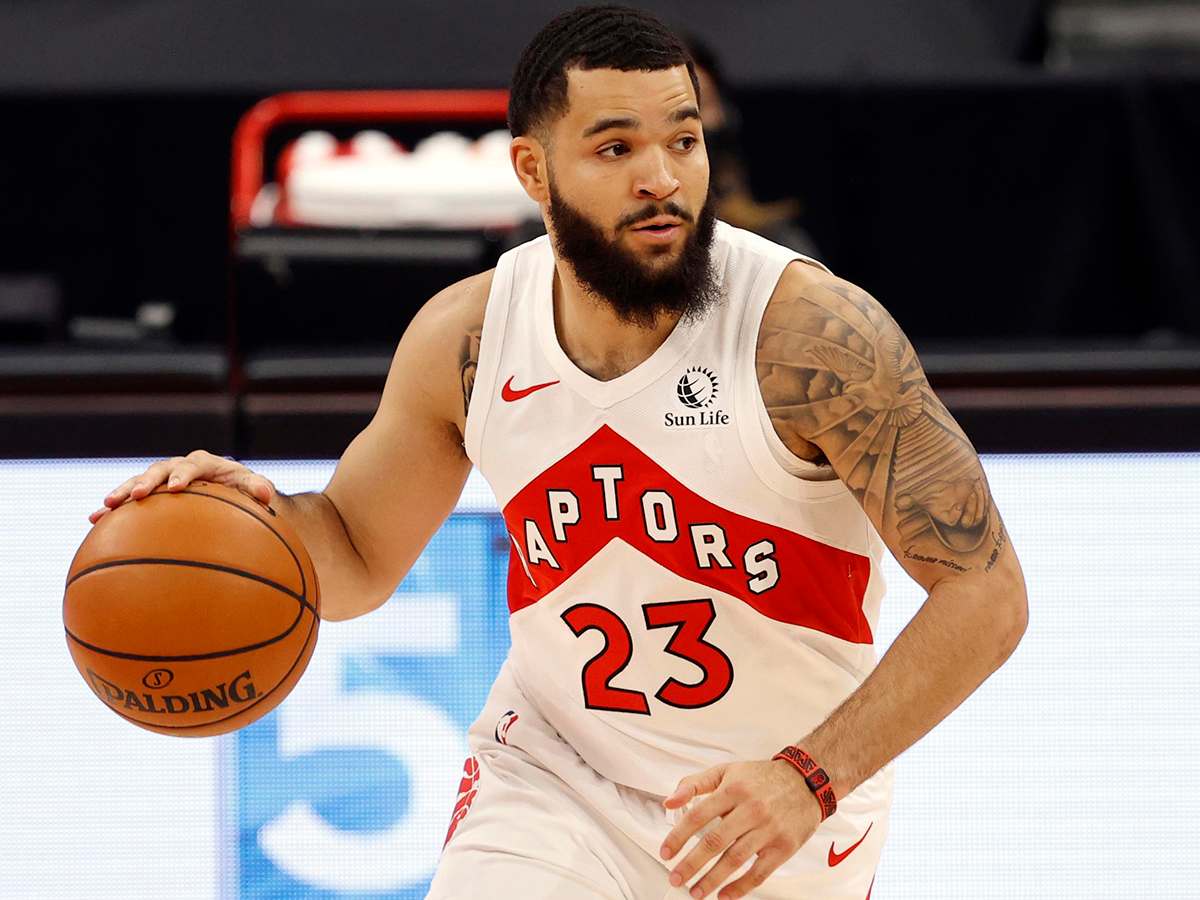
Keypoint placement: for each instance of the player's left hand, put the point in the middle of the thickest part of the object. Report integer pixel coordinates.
(765, 809)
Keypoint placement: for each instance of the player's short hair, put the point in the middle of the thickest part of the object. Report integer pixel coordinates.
(590, 37)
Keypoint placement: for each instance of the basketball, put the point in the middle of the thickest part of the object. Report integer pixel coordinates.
(191, 613)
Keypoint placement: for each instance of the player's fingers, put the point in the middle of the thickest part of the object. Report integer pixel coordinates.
(98, 515)
(200, 465)
(123, 491)
(211, 466)
(738, 854)
(155, 475)
(253, 485)
(119, 494)
(768, 861)
(694, 820)
(740, 820)
(701, 783)
(182, 473)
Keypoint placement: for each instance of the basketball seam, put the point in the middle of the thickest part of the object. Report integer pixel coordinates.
(257, 700)
(191, 657)
(269, 527)
(196, 564)
(299, 567)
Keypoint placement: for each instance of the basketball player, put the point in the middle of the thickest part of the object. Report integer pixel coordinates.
(701, 442)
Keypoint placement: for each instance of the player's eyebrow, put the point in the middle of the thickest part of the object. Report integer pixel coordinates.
(611, 122)
(684, 113)
(680, 115)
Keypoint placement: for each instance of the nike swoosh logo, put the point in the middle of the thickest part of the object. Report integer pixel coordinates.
(510, 395)
(835, 857)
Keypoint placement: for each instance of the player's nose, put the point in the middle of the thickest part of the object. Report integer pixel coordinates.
(656, 178)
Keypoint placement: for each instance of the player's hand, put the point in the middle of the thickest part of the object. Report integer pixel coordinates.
(765, 809)
(180, 471)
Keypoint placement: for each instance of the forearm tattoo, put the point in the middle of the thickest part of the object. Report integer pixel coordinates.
(468, 362)
(837, 372)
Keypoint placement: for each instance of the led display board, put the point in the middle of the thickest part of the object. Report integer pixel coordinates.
(1074, 772)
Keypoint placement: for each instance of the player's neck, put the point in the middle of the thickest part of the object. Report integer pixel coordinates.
(592, 335)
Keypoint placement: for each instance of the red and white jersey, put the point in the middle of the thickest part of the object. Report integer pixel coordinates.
(683, 590)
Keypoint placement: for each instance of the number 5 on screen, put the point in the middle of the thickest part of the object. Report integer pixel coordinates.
(321, 716)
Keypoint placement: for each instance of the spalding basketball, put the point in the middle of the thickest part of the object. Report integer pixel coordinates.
(193, 612)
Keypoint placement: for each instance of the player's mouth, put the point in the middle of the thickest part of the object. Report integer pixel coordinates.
(658, 230)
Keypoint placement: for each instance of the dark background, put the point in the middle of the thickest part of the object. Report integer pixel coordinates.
(221, 46)
(992, 201)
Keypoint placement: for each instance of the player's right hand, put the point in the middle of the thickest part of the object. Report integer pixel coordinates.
(180, 471)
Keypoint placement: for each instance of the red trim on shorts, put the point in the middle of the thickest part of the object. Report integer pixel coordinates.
(467, 789)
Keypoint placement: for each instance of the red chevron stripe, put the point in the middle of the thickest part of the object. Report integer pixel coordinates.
(819, 586)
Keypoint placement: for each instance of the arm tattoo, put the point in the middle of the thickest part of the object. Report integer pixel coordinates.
(836, 371)
(468, 362)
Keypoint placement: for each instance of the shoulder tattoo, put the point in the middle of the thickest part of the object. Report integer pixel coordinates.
(468, 362)
(837, 371)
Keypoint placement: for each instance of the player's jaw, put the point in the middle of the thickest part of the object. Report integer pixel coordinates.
(641, 277)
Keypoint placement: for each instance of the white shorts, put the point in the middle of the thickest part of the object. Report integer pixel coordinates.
(533, 821)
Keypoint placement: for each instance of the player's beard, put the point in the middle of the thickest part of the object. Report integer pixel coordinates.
(614, 275)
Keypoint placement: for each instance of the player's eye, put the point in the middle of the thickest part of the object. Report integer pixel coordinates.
(687, 142)
(617, 150)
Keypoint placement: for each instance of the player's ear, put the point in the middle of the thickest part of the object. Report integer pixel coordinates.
(528, 156)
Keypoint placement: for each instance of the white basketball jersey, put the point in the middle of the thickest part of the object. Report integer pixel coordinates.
(680, 596)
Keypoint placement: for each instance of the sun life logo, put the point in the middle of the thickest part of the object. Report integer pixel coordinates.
(697, 387)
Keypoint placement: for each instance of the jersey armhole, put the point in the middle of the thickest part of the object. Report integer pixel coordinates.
(776, 465)
(791, 463)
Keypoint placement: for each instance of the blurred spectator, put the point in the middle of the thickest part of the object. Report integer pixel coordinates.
(1134, 33)
(730, 184)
